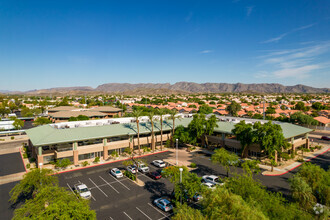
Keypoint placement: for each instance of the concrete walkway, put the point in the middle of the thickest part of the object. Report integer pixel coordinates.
(278, 172)
(11, 178)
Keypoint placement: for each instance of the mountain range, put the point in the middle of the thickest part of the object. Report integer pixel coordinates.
(179, 87)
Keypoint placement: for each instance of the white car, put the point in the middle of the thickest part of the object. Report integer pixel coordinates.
(209, 185)
(158, 163)
(143, 168)
(212, 179)
(132, 169)
(83, 191)
(116, 172)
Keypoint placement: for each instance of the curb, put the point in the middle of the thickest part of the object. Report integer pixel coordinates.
(95, 165)
(297, 165)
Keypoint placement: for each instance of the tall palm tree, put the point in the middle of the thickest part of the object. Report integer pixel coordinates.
(151, 116)
(137, 114)
(161, 113)
(173, 116)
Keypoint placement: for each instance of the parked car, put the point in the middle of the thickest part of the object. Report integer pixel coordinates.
(158, 163)
(154, 175)
(142, 167)
(212, 179)
(131, 169)
(83, 191)
(197, 197)
(116, 172)
(209, 185)
(327, 138)
(163, 204)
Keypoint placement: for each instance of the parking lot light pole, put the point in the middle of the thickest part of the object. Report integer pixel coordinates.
(40, 165)
(177, 154)
(181, 184)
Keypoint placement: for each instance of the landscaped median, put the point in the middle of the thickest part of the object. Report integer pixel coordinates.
(62, 166)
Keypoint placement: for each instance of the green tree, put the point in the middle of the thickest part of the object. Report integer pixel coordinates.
(196, 127)
(233, 108)
(151, 116)
(300, 118)
(173, 117)
(161, 113)
(273, 205)
(185, 212)
(63, 163)
(222, 204)
(270, 110)
(64, 102)
(318, 179)
(300, 106)
(82, 118)
(224, 158)
(41, 121)
(205, 109)
(302, 192)
(190, 185)
(318, 106)
(18, 123)
(182, 134)
(251, 166)
(32, 183)
(245, 134)
(270, 138)
(55, 202)
(137, 114)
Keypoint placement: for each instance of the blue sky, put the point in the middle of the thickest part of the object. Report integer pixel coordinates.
(46, 44)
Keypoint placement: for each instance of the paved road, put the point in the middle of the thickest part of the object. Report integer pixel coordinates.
(124, 199)
(10, 164)
(273, 183)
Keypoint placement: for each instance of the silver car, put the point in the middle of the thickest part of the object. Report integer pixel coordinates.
(116, 172)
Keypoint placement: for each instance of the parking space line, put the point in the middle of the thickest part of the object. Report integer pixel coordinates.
(93, 198)
(127, 215)
(98, 187)
(144, 213)
(109, 184)
(166, 216)
(72, 191)
(157, 210)
(111, 218)
(119, 182)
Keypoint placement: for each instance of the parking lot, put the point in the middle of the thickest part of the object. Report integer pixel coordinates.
(121, 198)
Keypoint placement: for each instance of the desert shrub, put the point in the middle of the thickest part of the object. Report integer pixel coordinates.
(85, 163)
(63, 163)
(146, 149)
(97, 159)
(25, 155)
(28, 166)
(285, 156)
(12, 138)
(193, 165)
(130, 175)
(114, 153)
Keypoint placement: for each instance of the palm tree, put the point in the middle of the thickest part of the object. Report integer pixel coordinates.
(161, 113)
(151, 116)
(137, 114)
(173, 116)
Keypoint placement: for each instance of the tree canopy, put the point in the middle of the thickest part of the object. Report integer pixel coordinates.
(233, 108)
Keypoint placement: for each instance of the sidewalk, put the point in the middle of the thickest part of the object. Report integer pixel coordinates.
(7, 139)
(279, 172)
(11, 178)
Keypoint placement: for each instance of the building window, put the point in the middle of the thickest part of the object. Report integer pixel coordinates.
(48, 159)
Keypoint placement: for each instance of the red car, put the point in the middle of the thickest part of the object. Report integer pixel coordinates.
(327, 138)
(154, 175)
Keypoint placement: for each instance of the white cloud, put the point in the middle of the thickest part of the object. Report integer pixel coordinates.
(249, 10)
(294, 63)
(206, 51)
(280, 37)
(300, 72)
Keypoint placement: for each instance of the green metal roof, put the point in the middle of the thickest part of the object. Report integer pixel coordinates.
(45, 135)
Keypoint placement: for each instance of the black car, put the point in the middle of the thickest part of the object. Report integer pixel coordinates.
(327, 138)
(154, 175)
